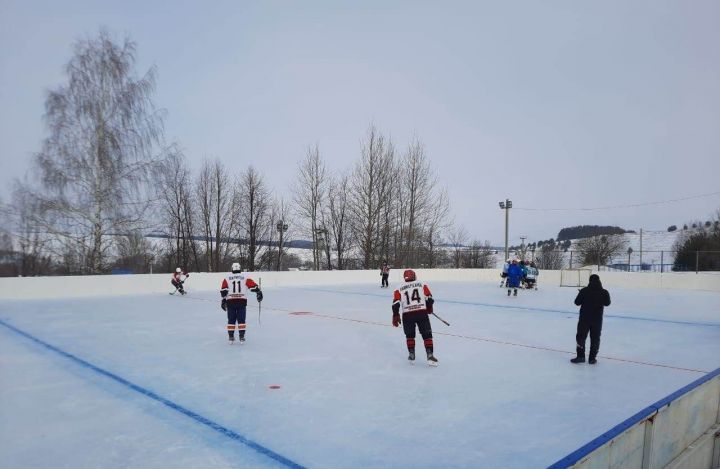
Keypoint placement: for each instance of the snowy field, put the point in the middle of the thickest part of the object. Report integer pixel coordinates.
(150, 381)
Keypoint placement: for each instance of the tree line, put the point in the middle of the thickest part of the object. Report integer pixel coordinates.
(588, 231)
(105, 177)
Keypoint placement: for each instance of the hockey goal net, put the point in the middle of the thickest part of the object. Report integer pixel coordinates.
(574, 277)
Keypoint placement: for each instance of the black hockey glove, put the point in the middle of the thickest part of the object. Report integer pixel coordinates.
(259, 296)
(223, 304)
(430, 302)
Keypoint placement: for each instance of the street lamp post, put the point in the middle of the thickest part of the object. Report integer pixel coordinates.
(281, 227)
(323, 246)
(507, 205)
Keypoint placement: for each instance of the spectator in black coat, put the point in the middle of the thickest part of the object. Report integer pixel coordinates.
(592, 300)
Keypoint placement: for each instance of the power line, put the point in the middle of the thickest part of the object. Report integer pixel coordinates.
(612, 207)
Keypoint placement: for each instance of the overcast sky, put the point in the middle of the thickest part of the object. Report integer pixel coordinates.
(553, 104)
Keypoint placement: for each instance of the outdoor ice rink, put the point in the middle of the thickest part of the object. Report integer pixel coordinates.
(150, 380)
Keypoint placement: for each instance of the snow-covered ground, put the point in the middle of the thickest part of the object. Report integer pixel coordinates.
(150, 381)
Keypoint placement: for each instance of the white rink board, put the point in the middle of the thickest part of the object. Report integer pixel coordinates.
(99, 285)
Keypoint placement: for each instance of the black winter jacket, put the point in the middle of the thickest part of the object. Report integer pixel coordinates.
(592, 299)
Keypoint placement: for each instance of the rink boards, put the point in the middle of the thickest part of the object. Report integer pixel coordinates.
(504, 394)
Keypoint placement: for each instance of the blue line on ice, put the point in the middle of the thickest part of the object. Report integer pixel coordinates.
(197, 417)
(523, 308)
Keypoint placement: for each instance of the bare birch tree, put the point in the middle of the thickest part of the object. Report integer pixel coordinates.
(338, 218)
(255, 217)
(419, 192)
(458, 237)
(174, 186)
(105, 140)
(599, 250)
(309, 194)
(434, 225)
(214, 193)
(371, 184)
(479, 255)
(549, 257)
(32, 243)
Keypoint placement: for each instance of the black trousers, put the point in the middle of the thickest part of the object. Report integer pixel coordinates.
(585, 326)
(177, 284)
(385, 280)
(236, 312)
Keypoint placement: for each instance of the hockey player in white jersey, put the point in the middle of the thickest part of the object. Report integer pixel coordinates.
(531, 276)
(233, 291)
(416, 302)
(503, 275)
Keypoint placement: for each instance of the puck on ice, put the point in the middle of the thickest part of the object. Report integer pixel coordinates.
(274, 386)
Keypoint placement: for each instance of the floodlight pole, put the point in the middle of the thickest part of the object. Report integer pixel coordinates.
(281, 227)
(507, 205)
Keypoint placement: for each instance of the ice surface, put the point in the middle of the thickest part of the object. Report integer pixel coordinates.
(504, 395)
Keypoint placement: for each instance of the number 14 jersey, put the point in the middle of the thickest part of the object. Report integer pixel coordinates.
(412, 296)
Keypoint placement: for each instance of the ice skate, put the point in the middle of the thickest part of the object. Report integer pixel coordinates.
(432, 361)
(231, 340)
(241, 340)
(508, 292)
(411, 358)
(515, 292)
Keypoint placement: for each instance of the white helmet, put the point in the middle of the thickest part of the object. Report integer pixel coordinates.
(235, 267)
(178, 270)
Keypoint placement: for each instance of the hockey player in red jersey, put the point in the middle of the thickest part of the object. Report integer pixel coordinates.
(178, 280)
(416, 302)
(233, 292)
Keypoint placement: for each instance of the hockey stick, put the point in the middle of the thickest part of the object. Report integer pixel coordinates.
(444, 321)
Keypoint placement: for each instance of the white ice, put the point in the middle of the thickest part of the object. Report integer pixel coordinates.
(505, 394)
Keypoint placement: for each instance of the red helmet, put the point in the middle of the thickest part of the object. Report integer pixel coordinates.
(409, 275)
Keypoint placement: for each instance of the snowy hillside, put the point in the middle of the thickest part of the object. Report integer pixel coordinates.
(657, 247)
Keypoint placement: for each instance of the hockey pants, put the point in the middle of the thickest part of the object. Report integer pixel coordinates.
(423, 324)
(236, 312)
